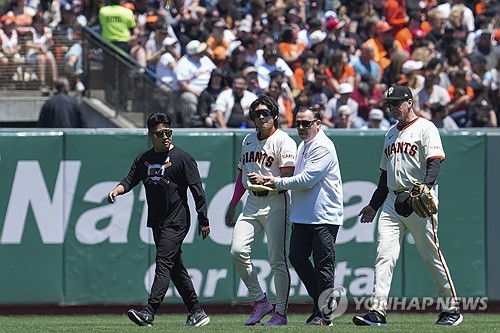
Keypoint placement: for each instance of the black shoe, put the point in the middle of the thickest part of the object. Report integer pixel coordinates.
(319, 321)
(197, 319)
(141, 318)
(372, 318)
(315, 313)
(450, 318)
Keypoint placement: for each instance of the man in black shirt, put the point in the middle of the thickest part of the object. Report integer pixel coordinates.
(61, 111)
(166, 172)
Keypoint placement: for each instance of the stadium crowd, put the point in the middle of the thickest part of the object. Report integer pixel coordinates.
(337, 55)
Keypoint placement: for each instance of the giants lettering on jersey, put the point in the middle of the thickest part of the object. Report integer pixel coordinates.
(401, 148)
(258, 157)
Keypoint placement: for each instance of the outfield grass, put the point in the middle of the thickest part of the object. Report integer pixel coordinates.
(476, 323)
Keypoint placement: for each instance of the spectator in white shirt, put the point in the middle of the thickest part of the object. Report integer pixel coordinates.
(232, 105)
(430, 94)
(166, 64)
(271, 62)
(193, 73)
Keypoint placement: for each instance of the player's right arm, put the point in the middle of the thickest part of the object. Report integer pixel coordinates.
(130, 181)
(369, 211)
(239, 190)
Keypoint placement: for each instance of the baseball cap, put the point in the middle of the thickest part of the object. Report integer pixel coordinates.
(152, 19)
(330, 14)
(129, 5)
(382, 27)
(168, 41)
(345, 109)
(376, 114)
(245, 26)
(249, 69)
(418, 33)
(220, 24)
(317, 37)
(334, 24)
(195, 47)
(6, 20)
(411, 66)
(396, 93)
(345, 88)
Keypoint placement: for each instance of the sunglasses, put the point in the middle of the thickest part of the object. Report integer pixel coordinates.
(304, 123)
(263, 112)
(395, 103)
(160, 134)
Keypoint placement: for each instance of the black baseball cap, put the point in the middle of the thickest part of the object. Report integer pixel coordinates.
(396, 93)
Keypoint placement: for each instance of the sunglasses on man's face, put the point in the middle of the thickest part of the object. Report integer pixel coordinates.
(160, 134)
(395, 103)
(304, 123)
(262, 112)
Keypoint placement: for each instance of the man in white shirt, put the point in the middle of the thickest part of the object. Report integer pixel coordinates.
(332, 112)
(317, 211)
(193, 73)
(430, 94)
(232, 105)
(271, 62)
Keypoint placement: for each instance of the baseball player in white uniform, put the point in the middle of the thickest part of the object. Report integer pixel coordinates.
(412, 153)
(269, 151)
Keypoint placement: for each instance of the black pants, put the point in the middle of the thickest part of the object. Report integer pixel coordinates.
(169, 265)
(318, 239)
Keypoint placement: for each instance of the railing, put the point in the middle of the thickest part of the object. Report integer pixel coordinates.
(115, 78)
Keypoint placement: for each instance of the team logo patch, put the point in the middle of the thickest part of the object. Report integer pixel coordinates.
(390, 91)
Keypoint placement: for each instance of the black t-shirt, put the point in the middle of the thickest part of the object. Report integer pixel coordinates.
(166, 177)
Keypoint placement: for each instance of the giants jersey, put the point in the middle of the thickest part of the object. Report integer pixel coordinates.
(268, 156)
(407, 152)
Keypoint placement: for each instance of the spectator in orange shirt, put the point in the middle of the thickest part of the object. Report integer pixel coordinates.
(22, 15)
(217, 44)
(405, 35)
(391, 46)
(395, 13)
(305, 73)
(339, 71)
(460, 93)
(382, 31)
(290, 49)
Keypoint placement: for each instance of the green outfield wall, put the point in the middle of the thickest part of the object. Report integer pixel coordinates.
(61, 243)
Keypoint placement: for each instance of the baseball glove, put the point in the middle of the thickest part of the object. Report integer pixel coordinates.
(423, 200)
(402, 204)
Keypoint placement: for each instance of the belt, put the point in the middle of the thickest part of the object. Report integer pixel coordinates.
(264, 193)
(399, 191)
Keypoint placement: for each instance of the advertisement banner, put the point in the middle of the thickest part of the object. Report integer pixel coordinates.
(62, 243)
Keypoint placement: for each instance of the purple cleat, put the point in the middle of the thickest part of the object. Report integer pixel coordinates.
(277, 319)
(260, 310)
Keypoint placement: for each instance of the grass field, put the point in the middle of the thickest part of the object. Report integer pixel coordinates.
(477, 323)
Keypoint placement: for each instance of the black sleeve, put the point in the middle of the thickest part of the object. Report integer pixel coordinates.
(381, 192)
(201, 203)
(133, 177)
(432, 171)
(194, 182)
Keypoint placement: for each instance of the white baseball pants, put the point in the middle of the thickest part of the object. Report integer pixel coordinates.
(267, 214)
(391, 231)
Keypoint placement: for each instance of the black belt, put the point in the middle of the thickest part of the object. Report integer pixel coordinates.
(399, 191)
(264, 193)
